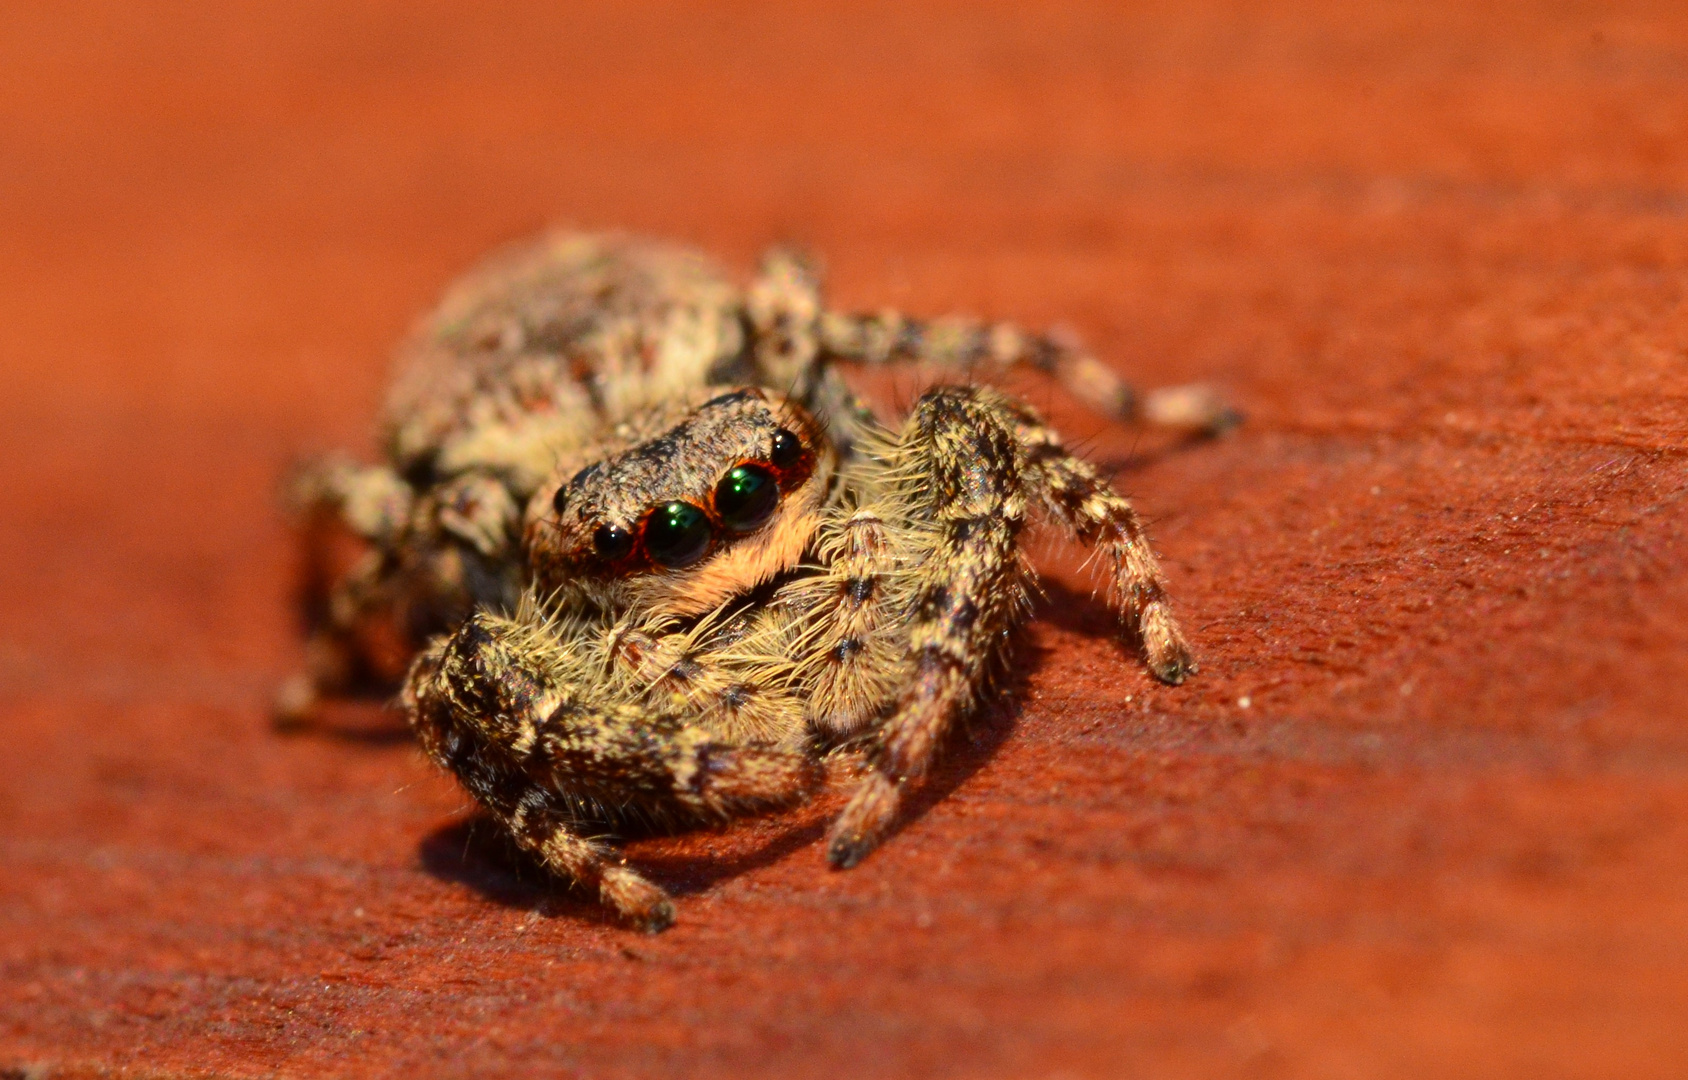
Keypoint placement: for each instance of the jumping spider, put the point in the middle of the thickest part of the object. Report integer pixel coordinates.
(650, 557)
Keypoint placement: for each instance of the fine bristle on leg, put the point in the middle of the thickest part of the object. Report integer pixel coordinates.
(1077, 497)
(493, 705)
(862, 825)
(958, 450)
(972, 347)
(590, 866)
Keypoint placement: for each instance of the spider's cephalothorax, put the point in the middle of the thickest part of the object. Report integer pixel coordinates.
(653, 558)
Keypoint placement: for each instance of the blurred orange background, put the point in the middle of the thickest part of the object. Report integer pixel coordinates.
(1423, 813)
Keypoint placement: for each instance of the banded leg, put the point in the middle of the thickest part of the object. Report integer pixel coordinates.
(783, 304)
(373, 505)
(1097, 516)
(495, 705)
(958, 449)
(373, 502)
(968, 346)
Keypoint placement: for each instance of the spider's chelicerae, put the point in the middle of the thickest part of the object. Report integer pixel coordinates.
(653, 558)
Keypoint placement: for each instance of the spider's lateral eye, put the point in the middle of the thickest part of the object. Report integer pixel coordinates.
(677, 534)
(612, 542)
(788, 449)
(746, 497)
(560, 501)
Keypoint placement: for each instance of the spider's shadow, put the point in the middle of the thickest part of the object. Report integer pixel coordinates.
(1081, 612)
(1147, 454)
(475, 851)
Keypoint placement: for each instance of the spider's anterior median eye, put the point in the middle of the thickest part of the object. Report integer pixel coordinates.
(677, 534)
(746, 497)
(560, 501)
(612, 542)
(788, 449)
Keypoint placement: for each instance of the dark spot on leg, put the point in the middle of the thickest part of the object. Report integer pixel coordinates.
(933, 605)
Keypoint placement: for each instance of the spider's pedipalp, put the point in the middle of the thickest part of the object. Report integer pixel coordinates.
(850, 653)
(728, 674)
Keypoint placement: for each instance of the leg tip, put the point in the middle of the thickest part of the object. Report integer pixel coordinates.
(1165, 651)
(656, 920)
(1223, 421)
(641, 905)
(864, 822)
(295, 704)
(843, 852)
(1196, 408)
(1175, 670)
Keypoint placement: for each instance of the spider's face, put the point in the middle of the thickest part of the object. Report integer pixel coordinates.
(721, 501)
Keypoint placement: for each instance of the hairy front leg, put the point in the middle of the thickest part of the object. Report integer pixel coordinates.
(500, 705)
(428, 558)
(796, 337)
(958, 450)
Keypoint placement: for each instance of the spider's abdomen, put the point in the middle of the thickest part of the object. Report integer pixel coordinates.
(548, 344)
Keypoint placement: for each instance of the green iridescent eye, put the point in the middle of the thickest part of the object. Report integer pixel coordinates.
(677, 534)
(746, 497)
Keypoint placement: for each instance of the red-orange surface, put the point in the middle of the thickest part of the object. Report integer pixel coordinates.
(1424, 813)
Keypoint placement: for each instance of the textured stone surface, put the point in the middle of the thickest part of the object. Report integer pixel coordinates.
(1425, 810)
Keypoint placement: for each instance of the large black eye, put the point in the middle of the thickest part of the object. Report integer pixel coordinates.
(788, 449)
(612, 542)
(560, 501)
(746, 497)
(677, 534)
